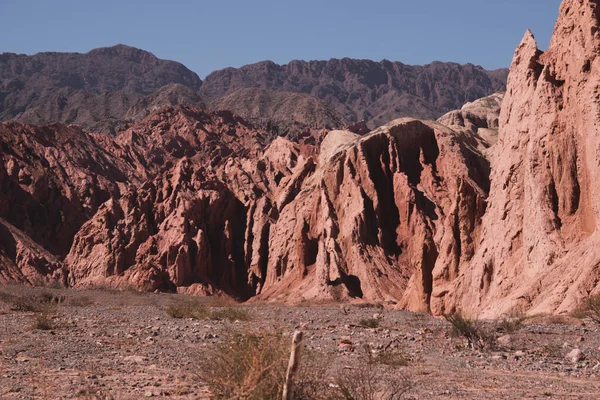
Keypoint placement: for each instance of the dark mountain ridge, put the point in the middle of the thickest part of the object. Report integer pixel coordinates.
(364, 89)
(107, 89)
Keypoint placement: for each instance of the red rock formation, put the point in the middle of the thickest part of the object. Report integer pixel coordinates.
(540, 242)
(24, 261)
(182, 229)
(371, 220)
(54, 178)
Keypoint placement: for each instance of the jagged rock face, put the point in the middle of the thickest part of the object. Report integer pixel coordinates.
(478, 121)
(208, 138)
(182, 230)
(54, 178)
(361, 89)
(383, 217)
(540, 240)
(95, 90)
(24, 261)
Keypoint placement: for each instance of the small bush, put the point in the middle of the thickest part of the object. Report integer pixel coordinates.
(250, 367)
(230, 314)
(369, 323)
(187, 309)
(30, 303)
(478, 337)
(392, 359)
(589, 309)
(369, 381)
(83, 301)
(512, 323)
(43, 322)
(552, 350)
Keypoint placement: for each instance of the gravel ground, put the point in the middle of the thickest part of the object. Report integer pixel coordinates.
(123, 345)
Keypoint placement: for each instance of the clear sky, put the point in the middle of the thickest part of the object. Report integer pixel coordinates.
(209, 35)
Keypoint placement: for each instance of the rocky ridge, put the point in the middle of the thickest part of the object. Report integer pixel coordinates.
(101, 90)
(378, 92)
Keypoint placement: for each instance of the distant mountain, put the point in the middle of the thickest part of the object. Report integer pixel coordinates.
(95, 90)
(361, 89)
(108, 89)
(287, 110)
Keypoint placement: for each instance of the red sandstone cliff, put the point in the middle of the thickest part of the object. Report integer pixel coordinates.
(539, 248)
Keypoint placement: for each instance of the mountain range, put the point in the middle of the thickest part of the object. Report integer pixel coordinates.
(107, 89)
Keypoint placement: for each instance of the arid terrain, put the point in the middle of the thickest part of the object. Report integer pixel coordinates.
(125, 345)
(164, 236)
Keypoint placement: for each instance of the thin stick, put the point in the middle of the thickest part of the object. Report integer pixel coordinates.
(288, 391)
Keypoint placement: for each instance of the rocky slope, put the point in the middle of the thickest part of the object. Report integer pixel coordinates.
(361, 89)
(95, 90)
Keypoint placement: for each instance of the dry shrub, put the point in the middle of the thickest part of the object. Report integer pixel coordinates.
(371, 379)
(590, 308)
(512, 323)
(30, 303)
(187, 309)
(252, 366)
(81, 301)
(369, 323)
(249, 366)
(477, 335)
(43, 322)
(230, 314)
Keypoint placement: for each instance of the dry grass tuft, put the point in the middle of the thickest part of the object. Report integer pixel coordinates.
(369, 323)
(249, 366)
(590, 308)
(512, 323)
(81, 301)
(43, 322)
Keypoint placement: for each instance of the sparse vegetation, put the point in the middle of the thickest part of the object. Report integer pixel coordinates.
(43, 322)
(187, 309)
(369, 323)
(370, 381)
(552, 350)
(230, 314)
(195, 310)
(249, 366)
(512, 323)
(81, 301)
(32, 303)
(590, 308)
(477, 335)
(392, 358)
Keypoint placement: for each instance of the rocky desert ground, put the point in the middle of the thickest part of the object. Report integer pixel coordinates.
(100, 344)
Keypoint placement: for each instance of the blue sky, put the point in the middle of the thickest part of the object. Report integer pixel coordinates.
(209, 35)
